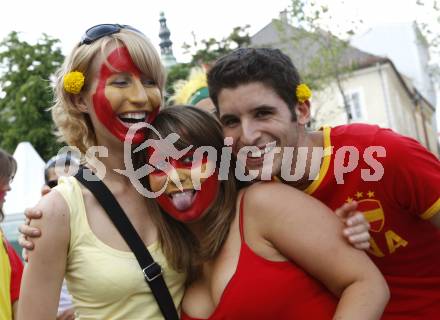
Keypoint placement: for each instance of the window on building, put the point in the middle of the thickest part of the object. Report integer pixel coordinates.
(354, 101)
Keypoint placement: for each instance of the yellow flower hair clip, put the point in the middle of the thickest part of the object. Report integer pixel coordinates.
(73, 82)
(303, 93)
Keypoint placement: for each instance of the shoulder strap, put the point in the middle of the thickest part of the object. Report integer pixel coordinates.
(241, 218)
(152, 270)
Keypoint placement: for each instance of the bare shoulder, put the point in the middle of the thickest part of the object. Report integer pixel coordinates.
(272, 202)
(55, 215)
(274, 195)
(53, 204)
(267, 190)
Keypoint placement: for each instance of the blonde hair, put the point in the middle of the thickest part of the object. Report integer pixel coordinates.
(74, 127)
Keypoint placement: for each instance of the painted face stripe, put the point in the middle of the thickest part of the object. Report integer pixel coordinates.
(120, 61)
(164, 165)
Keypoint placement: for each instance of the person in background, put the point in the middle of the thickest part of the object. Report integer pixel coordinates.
(58, 166)
(193, 91)
(11, 267)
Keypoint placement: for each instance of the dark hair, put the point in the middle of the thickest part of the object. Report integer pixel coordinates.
(247, 65)
(8, 167)
(65, 158)
(199, 128)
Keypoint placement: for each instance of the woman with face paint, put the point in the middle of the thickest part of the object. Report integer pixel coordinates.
(289, 264)
(112, 79)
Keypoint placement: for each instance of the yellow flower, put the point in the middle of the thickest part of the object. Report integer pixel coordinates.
(73, 82)
(303, 93)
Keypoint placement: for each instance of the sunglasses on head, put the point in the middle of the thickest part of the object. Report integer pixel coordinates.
(101, 30)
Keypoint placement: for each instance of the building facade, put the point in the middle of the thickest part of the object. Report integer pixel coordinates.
(375, 91)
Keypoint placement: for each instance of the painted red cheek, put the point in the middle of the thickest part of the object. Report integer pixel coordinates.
(205, 197)
(120, 60)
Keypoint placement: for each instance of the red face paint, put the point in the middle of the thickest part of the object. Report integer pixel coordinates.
(162, 165)
(121, 61)
(201, 199)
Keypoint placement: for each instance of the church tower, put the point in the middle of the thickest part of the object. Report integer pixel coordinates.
(166, 44)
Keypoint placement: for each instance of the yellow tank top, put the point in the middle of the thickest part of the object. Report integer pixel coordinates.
(5, 282)
(106, 283)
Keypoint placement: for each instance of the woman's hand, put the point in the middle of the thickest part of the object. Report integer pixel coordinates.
(28, 232)
(356, 225)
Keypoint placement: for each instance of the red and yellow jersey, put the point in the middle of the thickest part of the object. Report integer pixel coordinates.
(16, 272)
(397, 185)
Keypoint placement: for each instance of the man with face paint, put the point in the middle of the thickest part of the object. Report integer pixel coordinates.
(112, 79)
(245, 265)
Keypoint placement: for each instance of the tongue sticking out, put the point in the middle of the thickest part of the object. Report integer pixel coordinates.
(182, 200)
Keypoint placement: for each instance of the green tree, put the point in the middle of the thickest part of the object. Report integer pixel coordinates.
(206, 53)
(428, 19)
(25, 92)
(322, 56)
(212, 48)
(177, 72)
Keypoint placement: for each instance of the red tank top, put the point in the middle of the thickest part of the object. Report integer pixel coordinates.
(263, 289)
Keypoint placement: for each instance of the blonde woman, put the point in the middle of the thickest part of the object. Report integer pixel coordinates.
(112, 78)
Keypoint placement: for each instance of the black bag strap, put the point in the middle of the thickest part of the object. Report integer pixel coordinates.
(152, 270)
